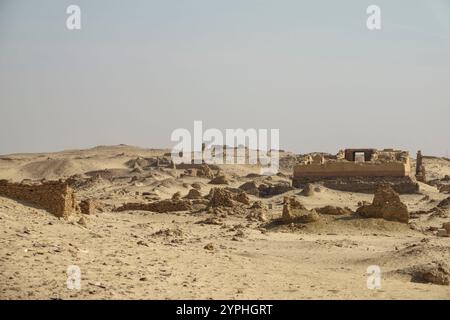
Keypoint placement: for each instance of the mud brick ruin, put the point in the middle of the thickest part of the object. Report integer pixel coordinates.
(54, 196)
(358, 170)
(420, 169)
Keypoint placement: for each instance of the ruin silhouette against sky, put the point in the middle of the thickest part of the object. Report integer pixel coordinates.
(138, 70)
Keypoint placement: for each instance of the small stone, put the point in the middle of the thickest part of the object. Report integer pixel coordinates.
(82, 222)
(142, 243)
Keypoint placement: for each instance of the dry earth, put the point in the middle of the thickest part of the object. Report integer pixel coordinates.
(199, 255)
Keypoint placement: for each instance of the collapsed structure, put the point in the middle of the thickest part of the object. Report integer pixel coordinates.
(386, 205)
(54, 196)
(420, 168)
(357, 170)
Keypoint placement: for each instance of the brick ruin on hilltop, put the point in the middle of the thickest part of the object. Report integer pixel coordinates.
(357, 170)
(54, 196)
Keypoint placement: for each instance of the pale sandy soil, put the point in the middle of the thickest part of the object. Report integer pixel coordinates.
(145, 255)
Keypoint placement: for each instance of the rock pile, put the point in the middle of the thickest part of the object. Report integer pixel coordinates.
(434, 272)
(445, 230)
(251, 188)
(221, 179)
(176, 196)
(220, 197)
(266, 189)
(205, 171)
(194, 194)
(257, 212)
(202, 171)
(295, 212)
(386, 205)
(224, 201)
(334, 211)
(167, 205)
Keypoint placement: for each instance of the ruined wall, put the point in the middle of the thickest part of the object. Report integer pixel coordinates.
(349, 154)
(54, 196)
(402, 185)
(352, 169)
(167, 205)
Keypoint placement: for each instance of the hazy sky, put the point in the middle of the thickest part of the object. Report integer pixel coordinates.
(137, 70)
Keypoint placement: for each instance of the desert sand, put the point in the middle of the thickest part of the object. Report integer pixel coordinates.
(202, 253)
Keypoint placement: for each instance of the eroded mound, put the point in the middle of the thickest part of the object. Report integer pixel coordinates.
(435, 272)
(295, 212)
(167, 205)
(333, 210)
(386, 205)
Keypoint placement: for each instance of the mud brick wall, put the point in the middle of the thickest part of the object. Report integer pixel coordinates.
(54, 196)
(352, 169)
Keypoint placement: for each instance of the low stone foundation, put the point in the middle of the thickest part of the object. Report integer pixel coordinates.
(402, 185)
(54, 196)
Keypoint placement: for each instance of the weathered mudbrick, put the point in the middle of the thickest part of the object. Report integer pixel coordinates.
(54, 196)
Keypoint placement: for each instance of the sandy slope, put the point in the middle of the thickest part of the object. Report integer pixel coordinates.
(147, 255)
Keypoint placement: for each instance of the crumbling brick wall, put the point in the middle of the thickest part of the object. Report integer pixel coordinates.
(54, 196)
(167, 205)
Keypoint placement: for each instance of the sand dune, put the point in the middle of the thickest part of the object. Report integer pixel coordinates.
(207, 252)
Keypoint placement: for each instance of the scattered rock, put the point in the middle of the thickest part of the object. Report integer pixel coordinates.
(295, 212)
(174, 232)
(176, 196)
(269, 190)
(194, 194)
(250, 188)
(294, 203)
(257, 212)
(335, 211)
(222, 179)
(82, 222)
(242, 198)
(211, 221)
(142, 243)
(308, 190)
(219, 197)
(161, 206)
(205, 171)
(386, 205)
(196, 186)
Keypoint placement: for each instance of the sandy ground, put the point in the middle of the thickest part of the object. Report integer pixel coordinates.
(145, 255)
